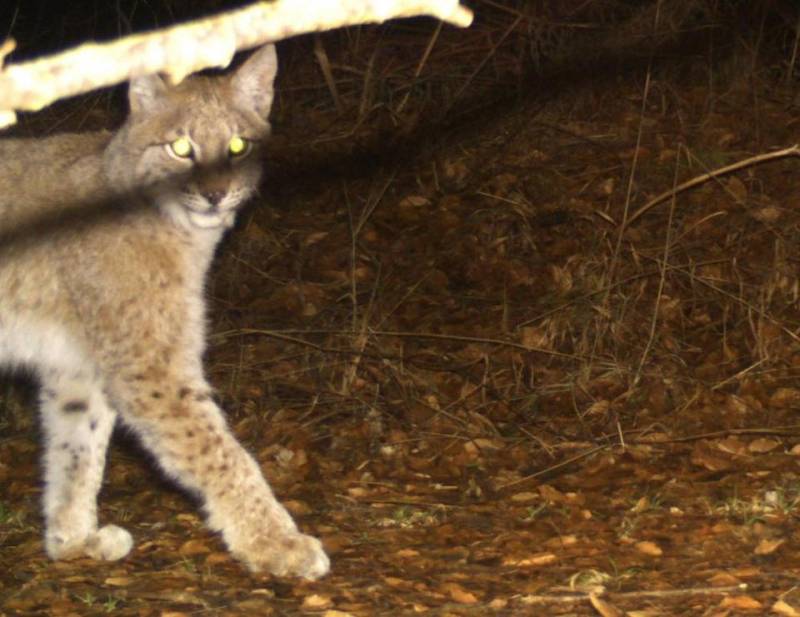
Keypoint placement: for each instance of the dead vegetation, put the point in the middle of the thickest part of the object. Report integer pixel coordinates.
(469, 349)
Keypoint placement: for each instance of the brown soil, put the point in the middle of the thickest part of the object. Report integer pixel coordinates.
(458, 368)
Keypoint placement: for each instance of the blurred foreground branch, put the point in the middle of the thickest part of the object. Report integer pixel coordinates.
(180, 50)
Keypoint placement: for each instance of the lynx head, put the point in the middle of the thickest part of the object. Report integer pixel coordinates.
(193, 148)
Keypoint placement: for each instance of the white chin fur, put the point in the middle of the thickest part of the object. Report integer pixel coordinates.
(210, 221)
(186, 217)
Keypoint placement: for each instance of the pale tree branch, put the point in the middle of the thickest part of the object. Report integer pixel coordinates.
(184, 49)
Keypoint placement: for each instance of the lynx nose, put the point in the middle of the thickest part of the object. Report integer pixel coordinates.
(214, 197)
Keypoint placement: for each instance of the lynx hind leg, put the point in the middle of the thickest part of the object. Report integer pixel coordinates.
(77, 424)
(187, 433)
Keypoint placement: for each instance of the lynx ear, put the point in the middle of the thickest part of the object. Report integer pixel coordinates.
(253, 82)
(145, 92)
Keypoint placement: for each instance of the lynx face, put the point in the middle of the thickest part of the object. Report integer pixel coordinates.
(194, 149)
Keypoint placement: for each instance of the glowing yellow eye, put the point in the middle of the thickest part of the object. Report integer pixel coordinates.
(238, 146)
(182, 148)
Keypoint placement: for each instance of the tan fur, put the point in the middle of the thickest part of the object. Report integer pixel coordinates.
(105, 240)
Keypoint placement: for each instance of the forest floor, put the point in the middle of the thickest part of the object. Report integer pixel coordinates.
(485, 392)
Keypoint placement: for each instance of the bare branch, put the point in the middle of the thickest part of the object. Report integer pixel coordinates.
(716, 173)
(180, 50)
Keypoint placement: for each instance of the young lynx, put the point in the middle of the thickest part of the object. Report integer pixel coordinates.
(105, 240)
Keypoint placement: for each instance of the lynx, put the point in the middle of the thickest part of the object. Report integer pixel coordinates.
(105, 240)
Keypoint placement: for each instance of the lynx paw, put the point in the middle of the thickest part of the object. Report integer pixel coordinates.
(108, 543)
(292, 555)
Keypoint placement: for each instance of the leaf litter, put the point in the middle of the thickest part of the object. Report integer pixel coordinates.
(481, 391)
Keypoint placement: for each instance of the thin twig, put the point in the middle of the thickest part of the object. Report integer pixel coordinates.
(662, 277)
(649, 593)
(418, 71)
(749, 162)
(327, 72)
(779, 430)
(612, 268)
(288, 335)
(552, 468)
(758, 311)
(790, 430)
(488, 57)
(588, 296)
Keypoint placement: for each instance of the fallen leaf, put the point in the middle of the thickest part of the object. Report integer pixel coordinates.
(598, 408)
(539, 559)
(216, 558)
(649, 548)
(255, 606)
(415, 201)
(724, 579)
(766, 547)
(604, 608)
(785, 609)
(641, 505)
(297, 507)
(193, 547)
(314, 237)
(316, 601)
(486, 444)
(747, 572)
(191, 519)
(737, 188)
(736, 404)
(768, 214)
(785, 397)
(551, 494)
(534, 337)
(607, 186)
(762, 445)
(706, 455)
(561, 541)
(743, 603)
(732, 445)
(405, 553)
(459, 594)
(726, 138)
(395, 582)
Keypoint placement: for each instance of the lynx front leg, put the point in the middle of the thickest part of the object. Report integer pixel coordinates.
(77, 423)
(187, 433)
